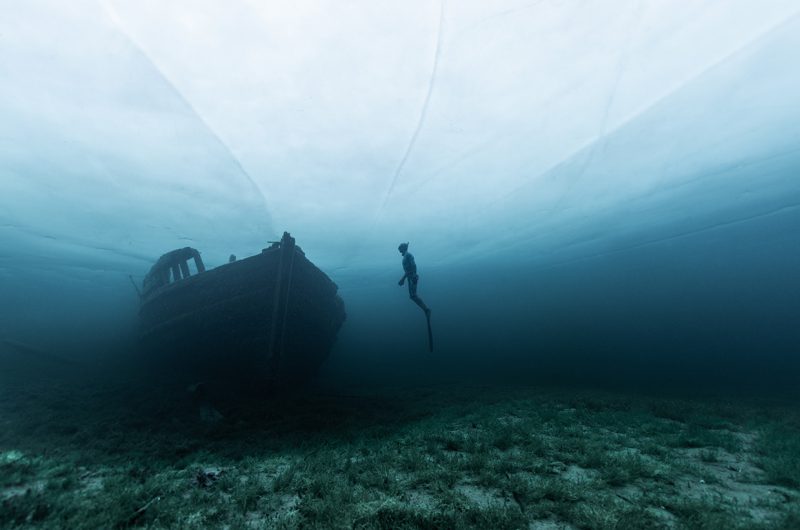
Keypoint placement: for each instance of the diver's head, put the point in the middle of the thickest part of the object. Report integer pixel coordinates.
(402, 248)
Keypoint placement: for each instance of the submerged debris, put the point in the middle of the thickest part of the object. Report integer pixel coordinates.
(141, 511)
(207, 476)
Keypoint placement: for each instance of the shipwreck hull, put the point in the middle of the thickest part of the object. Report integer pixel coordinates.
(271, 317)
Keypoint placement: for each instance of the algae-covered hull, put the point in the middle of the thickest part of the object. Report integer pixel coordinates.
(273, 316)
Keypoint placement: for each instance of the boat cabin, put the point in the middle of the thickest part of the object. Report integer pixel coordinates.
(171, 267)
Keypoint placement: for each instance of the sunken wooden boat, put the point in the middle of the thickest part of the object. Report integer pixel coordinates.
(272, 317)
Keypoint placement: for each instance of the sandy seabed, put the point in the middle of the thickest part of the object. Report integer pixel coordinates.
(89, 452)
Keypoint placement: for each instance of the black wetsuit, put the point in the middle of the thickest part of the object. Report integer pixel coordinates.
(410, 268)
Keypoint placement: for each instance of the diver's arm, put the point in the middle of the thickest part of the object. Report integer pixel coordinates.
(403, 279)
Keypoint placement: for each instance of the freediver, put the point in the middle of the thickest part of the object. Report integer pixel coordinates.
(410, 269)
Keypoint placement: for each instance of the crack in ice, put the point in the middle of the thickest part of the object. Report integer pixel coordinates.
(113, 15)
(423, 112)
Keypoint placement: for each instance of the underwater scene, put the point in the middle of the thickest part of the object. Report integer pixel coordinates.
(438, 264)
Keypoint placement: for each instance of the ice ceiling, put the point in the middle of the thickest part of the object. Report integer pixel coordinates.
(531, 130)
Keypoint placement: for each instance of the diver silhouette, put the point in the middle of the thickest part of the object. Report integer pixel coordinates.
(410, 269)
(410, 273)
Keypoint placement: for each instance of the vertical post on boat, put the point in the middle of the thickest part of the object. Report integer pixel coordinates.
(198, 261)
(176, 272)
(280, 303)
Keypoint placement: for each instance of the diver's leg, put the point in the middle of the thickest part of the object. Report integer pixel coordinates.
(412, 291)
(419, 302)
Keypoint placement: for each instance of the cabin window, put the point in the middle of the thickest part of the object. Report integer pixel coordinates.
(175, 266)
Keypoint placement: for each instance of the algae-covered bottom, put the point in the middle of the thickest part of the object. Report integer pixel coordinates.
(125, 455)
